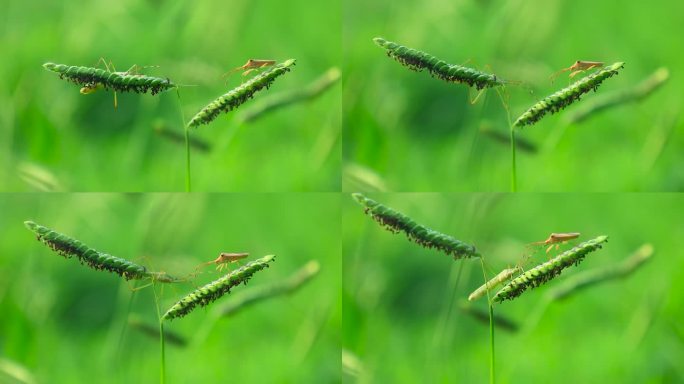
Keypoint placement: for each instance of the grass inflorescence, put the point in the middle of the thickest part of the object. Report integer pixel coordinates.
(418, 60)
(566, 96)
(69, 247)
(548, 270)
(397, 222)
(239, 95)
(117, 81)
(217, 288)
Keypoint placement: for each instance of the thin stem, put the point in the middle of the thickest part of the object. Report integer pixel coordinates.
(492, 370)
(491, 342)
(514, 177)
(514, 185)
(162, 373)
(187, 144)
(187, 160)
(163, 359)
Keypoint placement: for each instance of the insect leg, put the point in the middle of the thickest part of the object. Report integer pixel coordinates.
(479, 93)
(135, 289)
(573, 74)
(245, 73)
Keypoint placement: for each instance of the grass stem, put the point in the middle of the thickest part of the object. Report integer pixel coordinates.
(492, 370)
(162, 373)
(514, 185)
(187, 144)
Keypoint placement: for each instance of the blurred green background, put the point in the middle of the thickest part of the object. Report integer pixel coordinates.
(53, 138)
(66, 323)
(403, 320)
(406, 131)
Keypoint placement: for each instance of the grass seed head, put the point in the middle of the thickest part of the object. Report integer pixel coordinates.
(566, 96)
(239, 95)
(117, 81)
(548, 270)
(397, 222)
(417, 61)
(68, 247)
(217, 288)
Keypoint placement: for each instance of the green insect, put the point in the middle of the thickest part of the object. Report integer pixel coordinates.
(493, 282)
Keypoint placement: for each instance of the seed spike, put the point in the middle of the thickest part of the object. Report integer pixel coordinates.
(208, 293)
(398, 222)
(418, 60)
(69, 247)
(548, 270)
(118, 81)
(240, 95)
(566, 96)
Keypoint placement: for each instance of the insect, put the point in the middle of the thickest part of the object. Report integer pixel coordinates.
(134, 70)
(225, 258)
(250, 66)
(557, 239)
(579, 66)
(494, 282)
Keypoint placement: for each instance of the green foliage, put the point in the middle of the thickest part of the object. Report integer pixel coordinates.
(217, 288)
(548, 270)
(239, 95)
(397, 222)
(596, 276)
(566, 96)
(627, 95)
(278, 288)
(286, 98)
(417, 60)
(118, 81)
